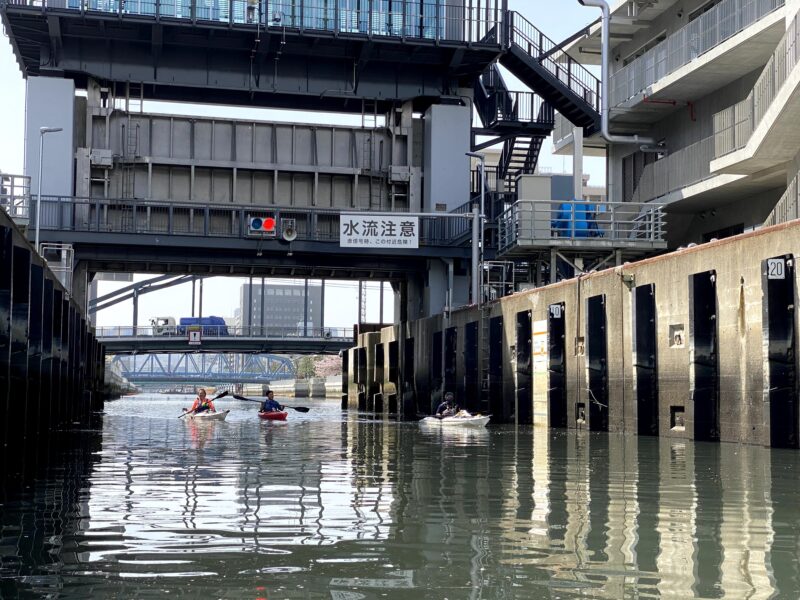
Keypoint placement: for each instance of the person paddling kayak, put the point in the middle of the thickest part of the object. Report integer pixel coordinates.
(201, 403)
(448, 407)
(270, 404)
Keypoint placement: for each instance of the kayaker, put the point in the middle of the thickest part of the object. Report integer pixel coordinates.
(201, 403)
(447, 408)
(270, 404)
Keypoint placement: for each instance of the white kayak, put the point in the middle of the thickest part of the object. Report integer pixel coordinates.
(462, 419)
(210, 416)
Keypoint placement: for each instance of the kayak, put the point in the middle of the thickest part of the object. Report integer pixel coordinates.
(210, 416)
(273, 416)
(466, 420)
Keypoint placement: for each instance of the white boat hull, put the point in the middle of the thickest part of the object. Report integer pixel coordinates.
(210, 416)
(471, 421)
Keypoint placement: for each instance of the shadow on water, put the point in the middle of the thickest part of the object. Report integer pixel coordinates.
(329, 505)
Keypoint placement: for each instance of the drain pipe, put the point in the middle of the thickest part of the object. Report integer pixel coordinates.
(604, 75)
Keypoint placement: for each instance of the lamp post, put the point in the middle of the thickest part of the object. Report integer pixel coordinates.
(482, 225)
(42, 132)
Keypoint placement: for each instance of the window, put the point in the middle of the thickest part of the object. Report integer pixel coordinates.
(703, 9)
(724, 232)
(648, 46)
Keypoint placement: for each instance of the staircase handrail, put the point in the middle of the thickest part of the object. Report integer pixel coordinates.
(561, 65)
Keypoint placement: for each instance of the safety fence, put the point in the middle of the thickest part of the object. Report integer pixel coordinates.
(125, 216)
(549, 223)
(474, 21)
(704, 33)
(734, 126)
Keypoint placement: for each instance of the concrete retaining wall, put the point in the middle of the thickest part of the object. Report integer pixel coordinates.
(680, 345)
(51, 364)
(317, 387)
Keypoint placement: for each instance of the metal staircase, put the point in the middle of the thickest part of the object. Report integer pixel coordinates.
(520, 120)
(544, 67)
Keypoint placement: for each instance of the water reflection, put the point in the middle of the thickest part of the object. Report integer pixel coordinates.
(328, 505)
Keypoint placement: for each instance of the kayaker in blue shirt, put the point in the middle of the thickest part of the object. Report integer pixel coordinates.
(447, 408)
(270, 404)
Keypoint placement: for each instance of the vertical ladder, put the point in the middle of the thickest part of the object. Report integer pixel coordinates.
(483, 353)
(369, 113)
(134, 97)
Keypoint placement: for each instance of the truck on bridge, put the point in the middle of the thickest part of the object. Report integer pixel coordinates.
(208, 325)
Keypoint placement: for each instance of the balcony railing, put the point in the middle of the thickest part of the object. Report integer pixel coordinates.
(552, 223)
(477, 21)
(788, 207)
(734, 126)
(673, 172)
(142, 217)
(708, 31)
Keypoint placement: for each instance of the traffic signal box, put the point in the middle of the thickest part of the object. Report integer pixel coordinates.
(264, 226)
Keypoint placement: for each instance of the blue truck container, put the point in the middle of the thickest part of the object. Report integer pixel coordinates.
(209, 325)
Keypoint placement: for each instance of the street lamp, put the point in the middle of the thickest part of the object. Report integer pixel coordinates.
(42, 132)
(482, 159)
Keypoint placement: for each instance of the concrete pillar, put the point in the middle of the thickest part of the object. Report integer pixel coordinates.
(577, 163)
(446, 165)
(50, 102)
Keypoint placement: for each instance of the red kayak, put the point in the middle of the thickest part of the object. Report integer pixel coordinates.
(273, 416)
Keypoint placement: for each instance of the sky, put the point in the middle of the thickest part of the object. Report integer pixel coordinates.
(558, 19)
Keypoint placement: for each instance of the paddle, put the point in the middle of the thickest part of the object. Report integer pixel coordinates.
(302, 409)
(217, 397)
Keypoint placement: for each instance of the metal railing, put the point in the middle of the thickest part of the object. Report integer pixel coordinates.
(124, 216)
(734, 126)
(15, 193)
(788, 207)
(517, 107)
(709, 30)
(673, 172)
(553, 223)
(563, 67)
(226, 332)
(477, 22)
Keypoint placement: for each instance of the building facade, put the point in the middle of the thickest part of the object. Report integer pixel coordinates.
(281, 308)
(713, 84)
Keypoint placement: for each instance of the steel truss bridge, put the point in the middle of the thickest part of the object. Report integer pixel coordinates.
(207, 368)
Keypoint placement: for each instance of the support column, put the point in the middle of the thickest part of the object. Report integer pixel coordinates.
(322, 306)
(135, 310)
(381, 304)
(249, 304)
(305, 307)
(577, 163)
(200, 308)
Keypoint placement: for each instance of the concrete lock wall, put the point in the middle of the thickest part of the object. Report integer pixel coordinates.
(697, 344)
(51, 364)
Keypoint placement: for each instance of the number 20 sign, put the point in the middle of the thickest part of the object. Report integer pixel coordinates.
(776, 268)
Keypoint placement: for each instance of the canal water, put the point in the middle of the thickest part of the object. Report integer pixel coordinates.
(343, 507)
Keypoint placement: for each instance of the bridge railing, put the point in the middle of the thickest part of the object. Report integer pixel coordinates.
(435, 20)
(127, 216)
(227, 332)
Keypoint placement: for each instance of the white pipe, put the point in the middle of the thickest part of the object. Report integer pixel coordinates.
(604, 77)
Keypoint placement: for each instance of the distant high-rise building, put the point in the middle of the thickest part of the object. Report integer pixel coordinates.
(281, 307)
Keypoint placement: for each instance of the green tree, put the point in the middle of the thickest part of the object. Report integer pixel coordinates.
(305, 367)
